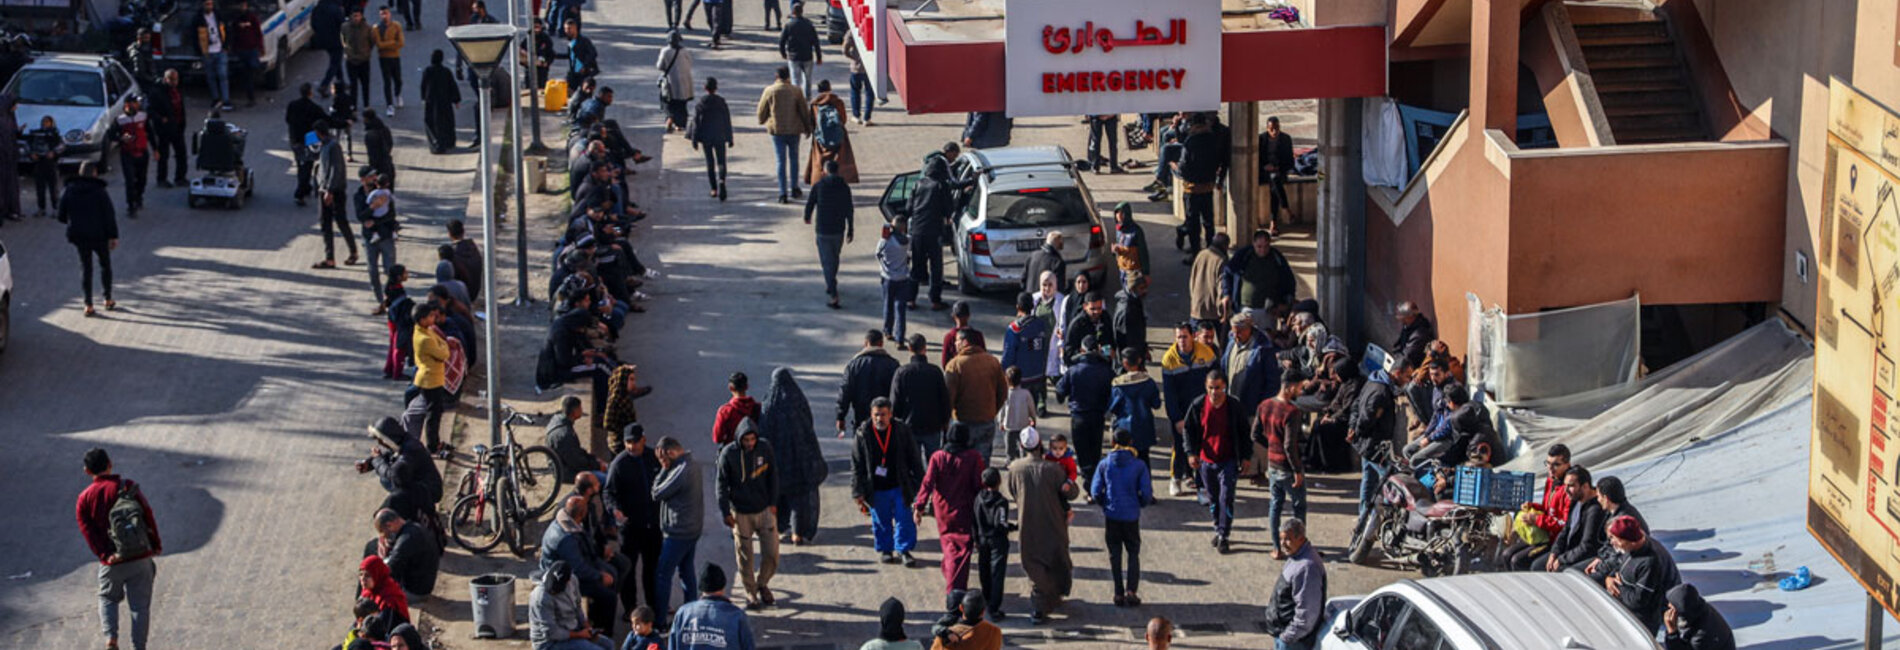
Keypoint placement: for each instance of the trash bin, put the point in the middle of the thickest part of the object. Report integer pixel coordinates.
(493, 598)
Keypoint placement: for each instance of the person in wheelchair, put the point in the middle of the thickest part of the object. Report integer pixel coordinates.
(220, 145)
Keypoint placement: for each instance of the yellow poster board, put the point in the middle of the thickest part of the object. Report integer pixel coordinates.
(1854, 464)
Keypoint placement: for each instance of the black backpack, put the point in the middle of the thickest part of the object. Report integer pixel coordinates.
(130, 532)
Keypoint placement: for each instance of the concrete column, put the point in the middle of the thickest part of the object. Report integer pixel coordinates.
(1494, 43)
(1243, 171)
(1342, 213)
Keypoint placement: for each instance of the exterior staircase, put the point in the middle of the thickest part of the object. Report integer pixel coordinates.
(1642, 83)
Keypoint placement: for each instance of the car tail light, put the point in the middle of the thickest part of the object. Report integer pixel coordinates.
(1095, 237)
(158, 47)
(979, 244)
(837, 4)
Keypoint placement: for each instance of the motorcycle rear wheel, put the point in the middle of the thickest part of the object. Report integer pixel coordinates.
(1363, 538)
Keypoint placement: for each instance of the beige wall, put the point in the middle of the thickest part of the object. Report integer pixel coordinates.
(1779, 55)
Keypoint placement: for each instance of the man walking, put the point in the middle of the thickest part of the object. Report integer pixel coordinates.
(1122, 486)
(134, 154)
(300, 118)
(747, 481)
(712, 622)
(893, 270)
(831, 199)
(1217, 446)
(376, 212)
(867, 376)
(798, 45)
(359, 44)
(710, 130)
(1276, 161)
(211, 51)
(388, 38)
(1293, 612)
(952, 479)
(885, 475)
(1042, 491)
(787, 117)
(247, 49)
(168, 129)
(1201, 170)
(681, 498)
(919, 396)
(930, 206)
(1088, 385)
(1278, 430)
(326, 33)
(583, 61)
(977, 390)
(440, 97)
(1105, 127)
(86, 209)
(332, 187)
(119, 528)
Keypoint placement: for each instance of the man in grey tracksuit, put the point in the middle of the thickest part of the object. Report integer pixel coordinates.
(682, 497)
(333, 179)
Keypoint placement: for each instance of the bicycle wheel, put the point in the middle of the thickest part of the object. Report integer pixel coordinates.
(512, 514)
(538, 474)
(475, 523)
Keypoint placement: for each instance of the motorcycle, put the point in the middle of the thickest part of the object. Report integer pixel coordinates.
(1410, 526)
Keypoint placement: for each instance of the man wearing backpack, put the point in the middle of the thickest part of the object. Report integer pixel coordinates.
(118, 526)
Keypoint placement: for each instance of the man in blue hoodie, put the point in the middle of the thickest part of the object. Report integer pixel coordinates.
(1133, 400)
(712, 622)
(1026, 346)
(1087, 386)
(1122, 486)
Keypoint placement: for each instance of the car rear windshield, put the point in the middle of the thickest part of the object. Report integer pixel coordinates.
(59, 88)
(1037, 208)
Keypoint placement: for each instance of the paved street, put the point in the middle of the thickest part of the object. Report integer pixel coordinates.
(234, 383)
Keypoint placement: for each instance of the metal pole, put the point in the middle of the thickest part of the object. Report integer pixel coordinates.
(485, 170)
(523, 296)
(534, 100)
(1875, 618)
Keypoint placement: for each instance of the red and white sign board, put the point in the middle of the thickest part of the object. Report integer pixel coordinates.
(867, 19)
(1091, 57)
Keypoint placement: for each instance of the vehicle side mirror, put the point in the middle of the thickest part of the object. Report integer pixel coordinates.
(1083, 166)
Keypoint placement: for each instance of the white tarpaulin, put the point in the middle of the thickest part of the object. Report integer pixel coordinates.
(1382, 140)
(1750, 374)
(1733, 511)
(1525, 358)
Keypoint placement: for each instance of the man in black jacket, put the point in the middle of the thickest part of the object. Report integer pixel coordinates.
(326, 33)
(886, 471)
(412, 553)
(920, 396)
(1049, 259)
(798, 45)
(168, 129)
(1087, 386)
(629, 491)
(1276, 161)
(1202, 167)
(1093, 323)
(1582, 536)
(1648, 572)
(405, 469)
(92, 227)
(831, 199)
(747, 487)
(867, 376)
(930, 206)
(710, 130)
(1131, 315)
(300, 118)
(1416, 332)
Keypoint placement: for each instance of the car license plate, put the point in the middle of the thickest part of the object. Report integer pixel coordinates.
(1027, 245)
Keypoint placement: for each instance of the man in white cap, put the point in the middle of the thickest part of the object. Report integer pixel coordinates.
(1042, 489)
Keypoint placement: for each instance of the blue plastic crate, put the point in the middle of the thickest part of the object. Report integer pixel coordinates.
(1495, 489)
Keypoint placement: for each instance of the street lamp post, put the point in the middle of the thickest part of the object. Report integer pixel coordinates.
(482, 45)
(523, 296)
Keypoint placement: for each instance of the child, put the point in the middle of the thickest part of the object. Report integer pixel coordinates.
(44, 146)
(1060, 453)
(893, 263)
(1018, 411)
(643, 637)
(992, 540)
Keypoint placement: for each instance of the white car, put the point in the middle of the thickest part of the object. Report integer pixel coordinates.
(82, 93)
(1020, 195)
(1493, 611)
(6, 297)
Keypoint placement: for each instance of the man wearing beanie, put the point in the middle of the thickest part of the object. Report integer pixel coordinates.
(629, 492)
(712, 622)
(1647, 574)
(890, 629)
(405, 469)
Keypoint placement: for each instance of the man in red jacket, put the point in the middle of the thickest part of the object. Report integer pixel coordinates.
(1552, 511)
(740, 407)
(122, 576)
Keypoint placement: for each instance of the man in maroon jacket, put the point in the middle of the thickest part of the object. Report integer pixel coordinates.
(121, 577)
(740, 407)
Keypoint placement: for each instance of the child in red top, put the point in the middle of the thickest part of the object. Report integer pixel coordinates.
(1060, 452)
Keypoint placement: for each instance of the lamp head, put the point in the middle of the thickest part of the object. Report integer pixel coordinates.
(482, 45)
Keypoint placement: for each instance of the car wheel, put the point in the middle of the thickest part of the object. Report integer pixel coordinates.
(966, 285)
(6, 322)
(274, 77)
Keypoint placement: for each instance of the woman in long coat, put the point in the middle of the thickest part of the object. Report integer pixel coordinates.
(788, 427)
(847, 163)
(440, 95)
(676, 69)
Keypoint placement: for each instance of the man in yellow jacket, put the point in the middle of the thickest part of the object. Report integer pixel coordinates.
(787, 116)
(388, 38)
(431, 382)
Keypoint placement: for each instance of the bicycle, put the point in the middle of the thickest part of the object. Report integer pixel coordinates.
(506, 488)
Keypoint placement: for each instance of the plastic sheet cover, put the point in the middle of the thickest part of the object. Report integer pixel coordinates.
(1526, 358)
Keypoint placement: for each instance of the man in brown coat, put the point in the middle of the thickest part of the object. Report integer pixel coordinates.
(977, 389)
(1204, 299)
(787, 117)
(1042, 491)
